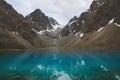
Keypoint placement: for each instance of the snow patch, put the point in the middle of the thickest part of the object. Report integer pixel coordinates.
(81, 35)
(72, 22)
(101, 4)
(111, 21)
(48, 30)
(13, 33)
(34, 30)
(76, 34)
(83, 21)
(41, 32)
(57, 26)
(117, 24)
(100, 29)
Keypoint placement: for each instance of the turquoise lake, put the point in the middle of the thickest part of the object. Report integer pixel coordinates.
(60, 65)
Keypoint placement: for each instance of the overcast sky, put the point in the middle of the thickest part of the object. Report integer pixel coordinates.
(61, 10)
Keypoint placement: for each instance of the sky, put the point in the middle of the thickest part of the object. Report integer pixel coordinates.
(61, 10)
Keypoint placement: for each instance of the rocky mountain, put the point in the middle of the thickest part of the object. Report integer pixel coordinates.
(97, 28)
(99, 14)
(68, 29)
(94, 19)
(54, 23)
(106, 37)
(40, 21)
(45, 26)
(16, 31)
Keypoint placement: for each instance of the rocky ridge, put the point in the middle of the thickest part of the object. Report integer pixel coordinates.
(89, 24)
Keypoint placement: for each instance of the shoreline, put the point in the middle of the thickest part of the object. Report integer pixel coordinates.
(58, 49)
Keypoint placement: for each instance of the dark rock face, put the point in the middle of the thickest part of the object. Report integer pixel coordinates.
(40, 20)
(99, 14)
(15, 31)
(53, 21)
(9, 17)
(70, 27)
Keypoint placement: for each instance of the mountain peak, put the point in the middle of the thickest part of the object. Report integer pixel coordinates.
(37, 11)
(53, 21)
(73, 19)
(40, 19)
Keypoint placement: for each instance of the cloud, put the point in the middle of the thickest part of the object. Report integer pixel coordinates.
(61, 10)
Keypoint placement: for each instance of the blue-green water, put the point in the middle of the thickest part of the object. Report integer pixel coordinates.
(59, 65)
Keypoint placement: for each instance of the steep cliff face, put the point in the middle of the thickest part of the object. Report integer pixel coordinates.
(69, 28)
(101, 14)
(9, 17)
(41, 21)
(15, 28)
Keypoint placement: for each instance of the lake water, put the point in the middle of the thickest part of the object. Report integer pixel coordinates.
(59, 65)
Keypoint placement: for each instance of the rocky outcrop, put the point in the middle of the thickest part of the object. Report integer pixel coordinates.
(40, 20)
(69, 28)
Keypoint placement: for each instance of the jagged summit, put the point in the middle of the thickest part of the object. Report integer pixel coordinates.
(40, 19)
(38, 11)
(73, 19)
(68, 29)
